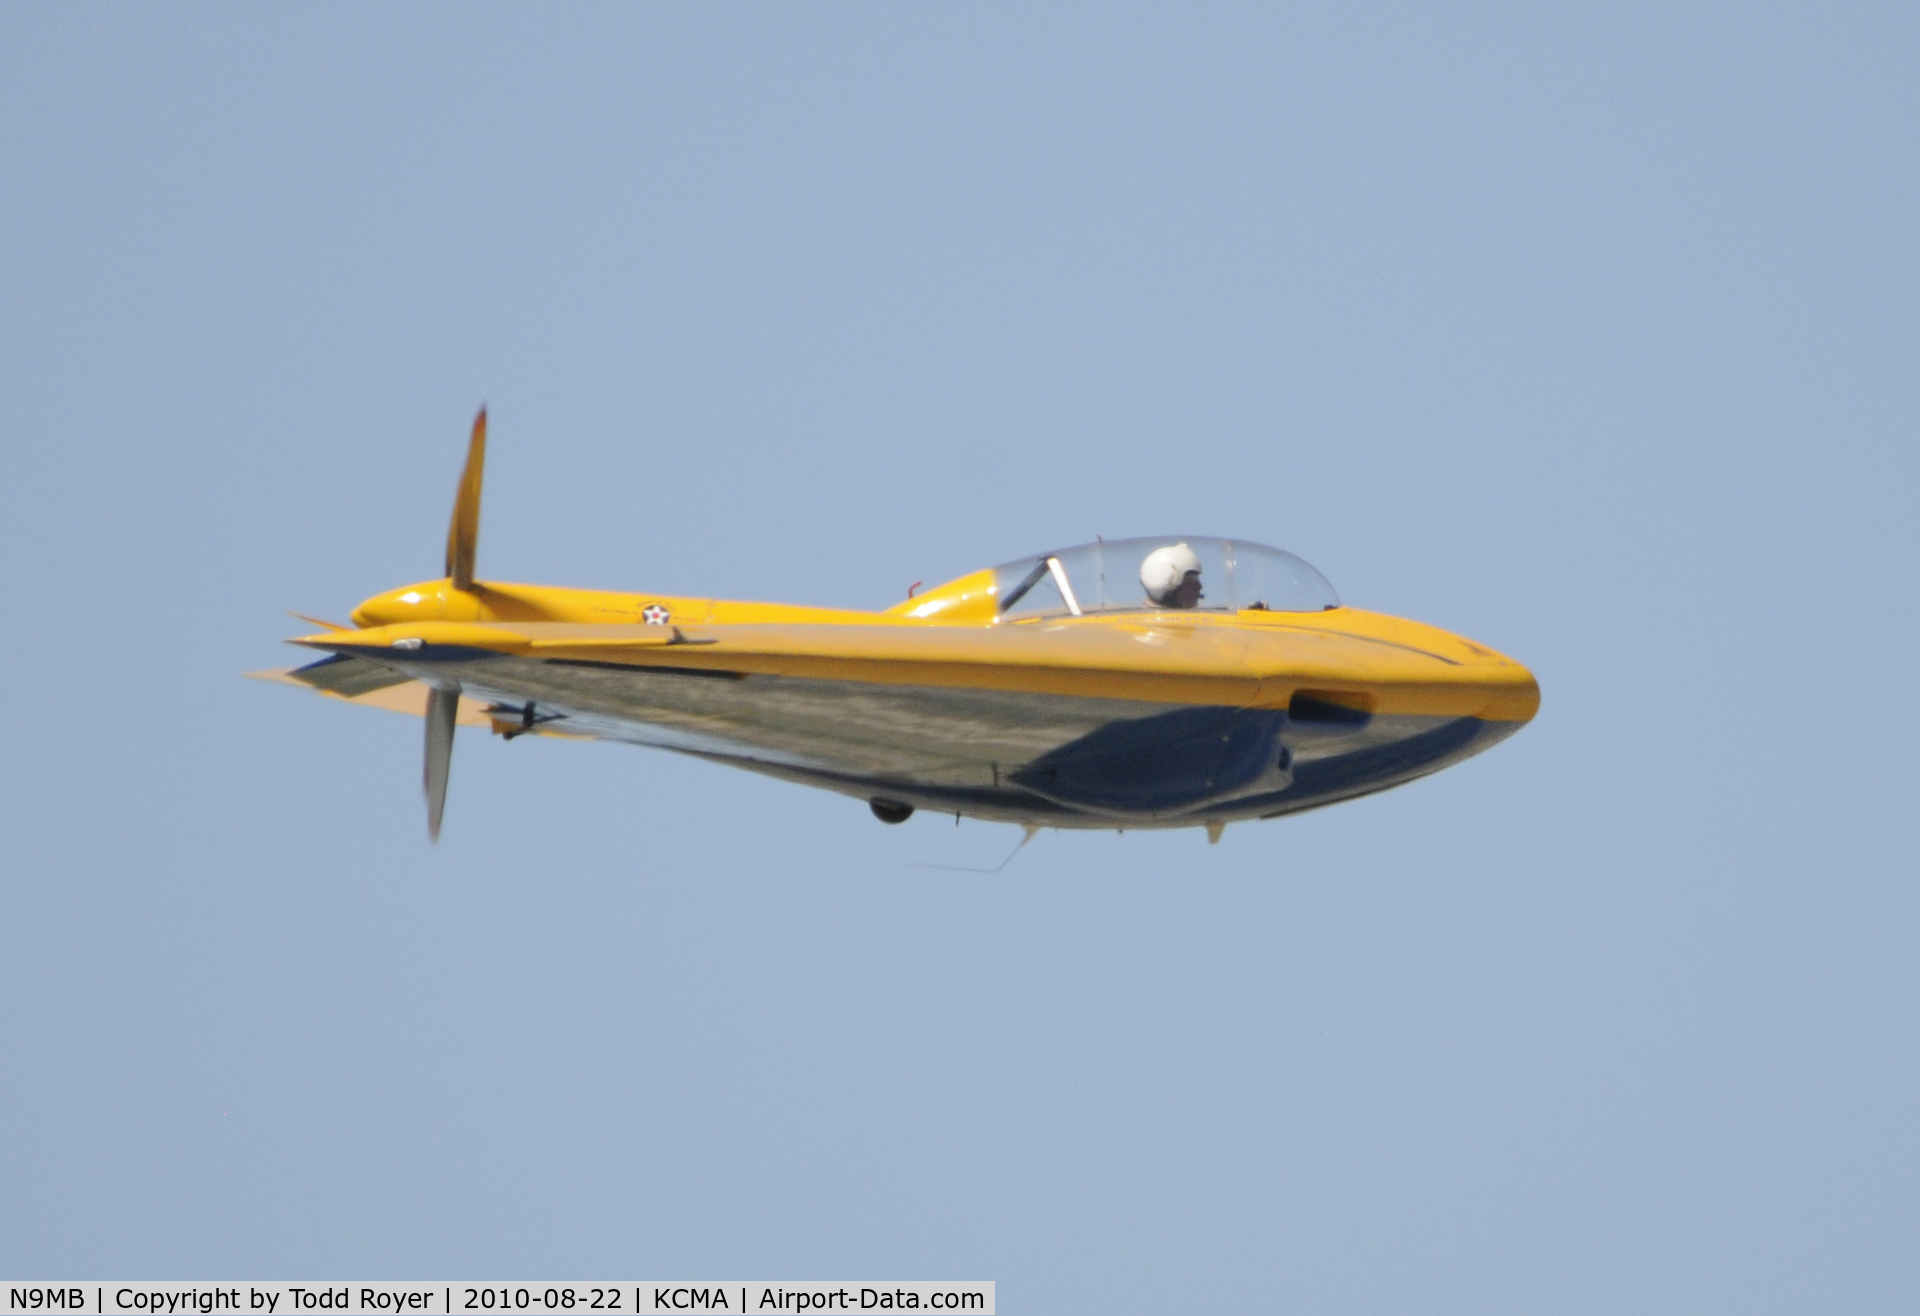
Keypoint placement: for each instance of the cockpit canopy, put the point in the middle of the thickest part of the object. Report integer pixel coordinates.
(1107, 576)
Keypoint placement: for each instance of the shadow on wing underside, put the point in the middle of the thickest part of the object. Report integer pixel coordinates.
(1337, 777)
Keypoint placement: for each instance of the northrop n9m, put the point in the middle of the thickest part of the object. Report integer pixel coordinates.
(1177, 681)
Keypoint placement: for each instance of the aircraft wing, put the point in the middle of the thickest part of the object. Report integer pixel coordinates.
(919, 712)
(370, 685)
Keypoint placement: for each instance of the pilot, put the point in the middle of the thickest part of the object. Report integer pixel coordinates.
(1171, 577)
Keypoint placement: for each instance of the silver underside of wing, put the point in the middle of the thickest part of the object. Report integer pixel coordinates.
(935, 747)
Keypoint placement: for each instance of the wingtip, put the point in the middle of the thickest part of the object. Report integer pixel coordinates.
(330, 642)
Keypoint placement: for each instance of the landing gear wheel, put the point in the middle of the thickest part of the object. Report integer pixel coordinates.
(890, 811)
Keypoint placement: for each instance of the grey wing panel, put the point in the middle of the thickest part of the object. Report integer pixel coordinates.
(896, 732)
(348, 677)
(945, 748)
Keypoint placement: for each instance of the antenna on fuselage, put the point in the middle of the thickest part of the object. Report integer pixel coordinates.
(1027, 832)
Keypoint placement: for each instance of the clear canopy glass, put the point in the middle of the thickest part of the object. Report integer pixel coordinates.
(1141, 575)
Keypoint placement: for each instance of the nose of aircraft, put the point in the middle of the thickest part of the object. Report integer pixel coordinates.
(1513, 692)
(1504, 690)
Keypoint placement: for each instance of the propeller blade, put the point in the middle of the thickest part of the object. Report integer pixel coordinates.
(464, 533)
(442, 707)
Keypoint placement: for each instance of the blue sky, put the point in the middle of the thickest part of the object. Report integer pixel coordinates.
(1589, 334)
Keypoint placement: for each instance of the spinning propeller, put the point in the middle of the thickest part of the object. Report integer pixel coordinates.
(443, 704)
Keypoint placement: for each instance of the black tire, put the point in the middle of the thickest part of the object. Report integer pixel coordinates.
(890, 811)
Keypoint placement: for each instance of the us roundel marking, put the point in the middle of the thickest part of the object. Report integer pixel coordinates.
(656, 615)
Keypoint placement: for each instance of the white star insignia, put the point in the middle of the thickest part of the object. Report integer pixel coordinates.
(656, 615)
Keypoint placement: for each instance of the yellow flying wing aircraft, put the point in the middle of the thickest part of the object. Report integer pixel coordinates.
(1179, 681)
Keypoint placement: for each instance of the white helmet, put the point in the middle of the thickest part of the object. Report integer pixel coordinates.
(1164, 570)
